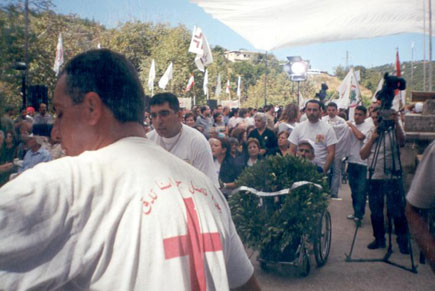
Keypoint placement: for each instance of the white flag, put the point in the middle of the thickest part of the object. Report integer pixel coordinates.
(239, 92)
(205, 85)
(199, 46)
(59, 55)
(152, 76)
(190, 83)
(349, 93)
(166, 77)
(218, 86)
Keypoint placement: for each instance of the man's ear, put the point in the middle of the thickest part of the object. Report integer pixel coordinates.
(180, 116)
(93, 106)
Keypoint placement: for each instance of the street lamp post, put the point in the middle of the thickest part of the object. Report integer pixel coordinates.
(296, 69)
(21, 66)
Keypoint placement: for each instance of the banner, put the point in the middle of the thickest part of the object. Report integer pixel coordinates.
(185, 103)
(231, 103)
(167, 76)
(58, 61)
(199, 46)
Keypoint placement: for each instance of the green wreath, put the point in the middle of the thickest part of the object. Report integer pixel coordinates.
(274, 226)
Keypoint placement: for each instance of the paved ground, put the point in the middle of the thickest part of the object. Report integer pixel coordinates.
(338, 274)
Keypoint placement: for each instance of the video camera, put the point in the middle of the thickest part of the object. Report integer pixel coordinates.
(386, 96)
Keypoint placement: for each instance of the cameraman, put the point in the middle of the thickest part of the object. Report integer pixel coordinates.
(385, 178)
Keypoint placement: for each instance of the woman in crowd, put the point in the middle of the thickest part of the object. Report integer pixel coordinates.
(288, 119)
(226, 167)
(8, 153)
(253, 152)
(219, 125)
(283, 143)
(189, 119)
(242, 149)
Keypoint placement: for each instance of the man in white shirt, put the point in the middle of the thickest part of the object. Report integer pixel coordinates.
(421, 197)
(121, 213)
(177, 138)
(357, 167)
(317, 131)
(341, 148)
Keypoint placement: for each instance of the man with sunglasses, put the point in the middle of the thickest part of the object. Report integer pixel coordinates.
(177, 138)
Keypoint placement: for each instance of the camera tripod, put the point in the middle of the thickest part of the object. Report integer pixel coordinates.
(386, 141)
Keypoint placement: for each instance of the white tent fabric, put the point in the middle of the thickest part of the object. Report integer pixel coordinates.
(274, 24)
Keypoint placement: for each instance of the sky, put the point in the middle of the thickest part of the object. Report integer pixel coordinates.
(324, 56)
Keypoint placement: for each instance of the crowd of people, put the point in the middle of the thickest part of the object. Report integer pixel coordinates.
(121, 210)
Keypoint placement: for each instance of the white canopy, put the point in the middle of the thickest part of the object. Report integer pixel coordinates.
(274, 24)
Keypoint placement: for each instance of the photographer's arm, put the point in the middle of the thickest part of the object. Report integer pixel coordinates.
(365, 150)
(358, 134)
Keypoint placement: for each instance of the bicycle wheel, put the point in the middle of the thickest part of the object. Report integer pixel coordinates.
(322, 240)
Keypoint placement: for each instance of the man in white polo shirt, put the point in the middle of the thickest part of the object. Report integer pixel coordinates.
(319, 132)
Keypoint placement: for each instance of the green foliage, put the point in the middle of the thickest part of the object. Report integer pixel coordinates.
(277, 227)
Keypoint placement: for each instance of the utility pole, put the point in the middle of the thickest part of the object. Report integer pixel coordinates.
(424, 45)
(265, 83)
(430, 45)
(412, 66)
(26, 52)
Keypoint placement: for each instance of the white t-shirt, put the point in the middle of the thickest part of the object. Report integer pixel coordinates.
(333, 121)
(422, 194)
(192, 147)
(129, 216)
(355, 144)
(320, 133)
(342, 132)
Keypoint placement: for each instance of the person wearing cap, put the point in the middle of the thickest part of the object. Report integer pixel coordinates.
(319, 132)
(305, 150)
(120, 213)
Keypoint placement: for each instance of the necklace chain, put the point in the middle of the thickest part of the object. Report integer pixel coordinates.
(174, 144)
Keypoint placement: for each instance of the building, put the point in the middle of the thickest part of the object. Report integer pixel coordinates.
(241, 55)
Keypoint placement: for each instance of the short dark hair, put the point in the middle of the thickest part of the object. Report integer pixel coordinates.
(162, 98)
(216, 115)
(112, 77)
(203, 108)
(314, 101)
(332, 104)
(189, 114)
(361, 108)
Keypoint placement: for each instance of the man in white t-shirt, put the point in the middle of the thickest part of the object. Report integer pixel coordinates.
(121, 213)
(317, 131)
(177, 138)
(341, 148)
(357, 167)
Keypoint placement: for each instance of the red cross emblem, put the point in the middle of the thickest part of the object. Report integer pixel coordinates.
(194, 244)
